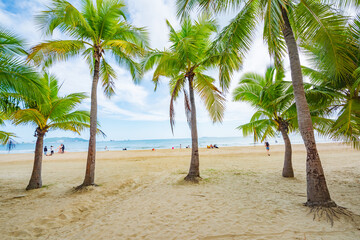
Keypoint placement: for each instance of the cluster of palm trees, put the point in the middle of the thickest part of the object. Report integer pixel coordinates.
(100, 29)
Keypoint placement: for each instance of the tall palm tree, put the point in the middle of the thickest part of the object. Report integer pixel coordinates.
(54, 112)
(100, 27)
(189, 56)
(312, 21)
(273, 99)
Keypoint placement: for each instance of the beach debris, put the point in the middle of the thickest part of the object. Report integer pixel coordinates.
(19, 196)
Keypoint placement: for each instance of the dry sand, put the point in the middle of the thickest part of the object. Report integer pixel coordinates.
(142, 196)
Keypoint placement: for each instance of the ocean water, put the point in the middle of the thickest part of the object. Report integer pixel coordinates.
(76, 145)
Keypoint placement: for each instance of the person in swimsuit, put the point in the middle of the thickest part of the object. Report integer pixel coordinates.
(267, 146)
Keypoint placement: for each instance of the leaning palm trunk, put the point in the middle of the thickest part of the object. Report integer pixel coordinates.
(35, 180)
(194, 172)
(287, 169)
(90, 165)
(317, 191)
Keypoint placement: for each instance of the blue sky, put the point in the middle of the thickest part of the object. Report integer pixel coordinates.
(136, 111)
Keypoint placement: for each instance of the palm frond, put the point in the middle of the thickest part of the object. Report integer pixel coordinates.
(56, 50)
(211, 96)
(107, 75)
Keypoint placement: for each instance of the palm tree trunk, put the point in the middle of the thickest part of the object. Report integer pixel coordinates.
(90, 165)
(317, 191)
(35, 180)
(194, 172)
(287, 169)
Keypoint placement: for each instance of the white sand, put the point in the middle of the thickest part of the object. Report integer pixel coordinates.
(142, 196)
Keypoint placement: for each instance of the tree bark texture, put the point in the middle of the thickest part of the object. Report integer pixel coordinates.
(317, 191)
(35, 180)
(194, 172)
(287, 169)
(90, 165)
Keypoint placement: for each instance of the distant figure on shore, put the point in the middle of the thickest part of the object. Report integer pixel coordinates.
(10, 145)
(215, 146)
(188, 146)
(153, 149)
(106, 148)
(124, 149)
(62, 148)
(180, 145)
(267, 146)
(51, 150)
(45, 150)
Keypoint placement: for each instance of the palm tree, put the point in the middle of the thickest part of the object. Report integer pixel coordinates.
(190, 55)
(312, 21)
(276, 111)
(99, 27)
(54, 112)
(340, 92)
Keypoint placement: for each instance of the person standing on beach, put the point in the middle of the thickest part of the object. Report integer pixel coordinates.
(62, 148)
(45, 150)
(51, 150)
(267, 145)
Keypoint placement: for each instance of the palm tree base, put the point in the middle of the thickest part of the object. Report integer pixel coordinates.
(32, 186)
(192, 178)
(288, 175)
(327, 204)
(83, 186)
(328, 210)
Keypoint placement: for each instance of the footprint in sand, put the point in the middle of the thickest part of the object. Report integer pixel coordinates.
(62, 216)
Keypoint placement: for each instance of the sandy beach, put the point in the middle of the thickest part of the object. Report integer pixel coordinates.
(142, 196)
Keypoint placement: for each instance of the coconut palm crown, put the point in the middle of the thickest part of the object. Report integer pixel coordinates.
(51, 113)
(99, 29)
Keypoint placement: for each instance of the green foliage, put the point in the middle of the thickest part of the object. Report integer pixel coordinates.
(192, 53)
(337, 92)
(99, 28)
(15, 76)
(272, 97)
(53, 111)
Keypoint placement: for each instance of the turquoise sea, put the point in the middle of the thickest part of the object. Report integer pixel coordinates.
(79, 145)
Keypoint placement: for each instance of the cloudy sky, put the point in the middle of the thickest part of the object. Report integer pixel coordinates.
(136, 111)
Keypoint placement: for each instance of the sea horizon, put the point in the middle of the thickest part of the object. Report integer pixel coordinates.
(81, 144)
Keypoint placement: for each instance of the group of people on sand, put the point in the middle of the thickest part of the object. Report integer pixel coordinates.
(212, 146)
(60, 149)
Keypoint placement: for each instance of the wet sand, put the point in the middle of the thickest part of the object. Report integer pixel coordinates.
(142, 196)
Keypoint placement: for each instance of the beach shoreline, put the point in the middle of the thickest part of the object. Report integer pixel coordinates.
(142, 195)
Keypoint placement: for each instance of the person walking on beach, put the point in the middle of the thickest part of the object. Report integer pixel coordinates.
(267, 145)
(51, 150)
(45, 150)
(62, 148)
